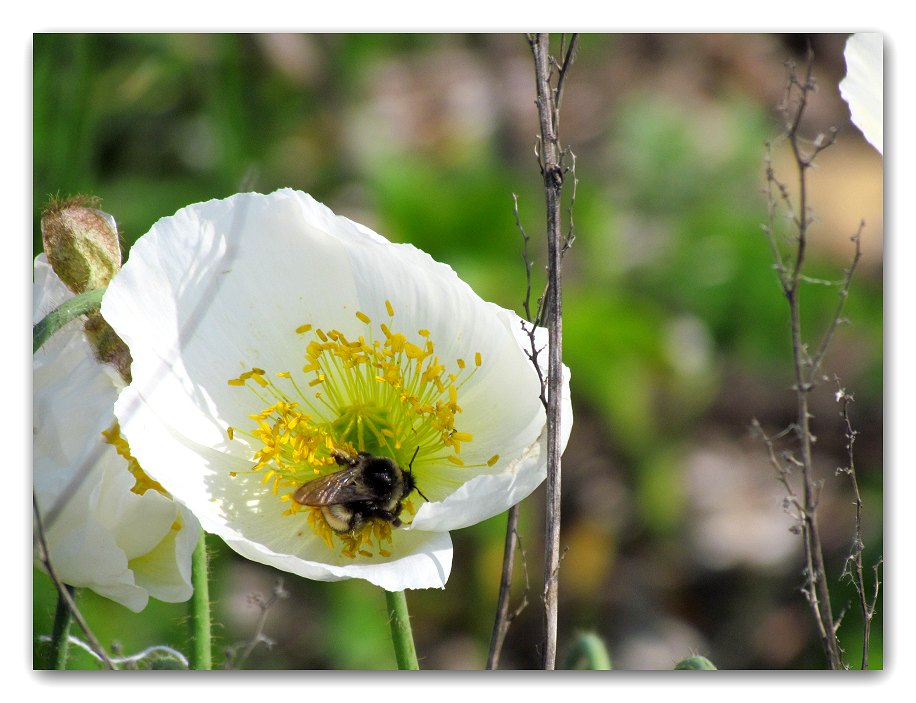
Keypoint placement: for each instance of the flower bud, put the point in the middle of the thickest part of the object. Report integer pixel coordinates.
(81, 243)
(695, 663)
(82, 246)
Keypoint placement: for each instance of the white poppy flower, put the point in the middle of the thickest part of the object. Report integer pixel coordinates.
(115, 531)
(863, 86)
(272, 339)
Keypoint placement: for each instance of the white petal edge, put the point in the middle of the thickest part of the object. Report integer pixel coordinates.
(427, 566)
(863, 86)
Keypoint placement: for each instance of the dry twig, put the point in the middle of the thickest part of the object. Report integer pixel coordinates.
(236, 662)
(551, 158)
(854, 569)
(504, 618)
(802, 504)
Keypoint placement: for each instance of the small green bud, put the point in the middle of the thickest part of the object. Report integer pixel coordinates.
(588, 651)
(81, 243)
(695, 662)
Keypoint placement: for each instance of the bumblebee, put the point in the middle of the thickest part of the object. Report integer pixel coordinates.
(367, 487)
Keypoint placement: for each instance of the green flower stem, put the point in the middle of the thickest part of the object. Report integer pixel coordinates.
(589, 652)
(57, 318)
(60, 636)
(401, 636)
(201, 644)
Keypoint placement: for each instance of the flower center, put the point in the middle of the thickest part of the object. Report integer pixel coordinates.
(387, 397)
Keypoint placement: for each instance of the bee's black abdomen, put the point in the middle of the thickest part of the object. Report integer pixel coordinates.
(369, 487)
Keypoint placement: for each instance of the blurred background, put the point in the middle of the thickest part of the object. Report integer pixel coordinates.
(675, 327)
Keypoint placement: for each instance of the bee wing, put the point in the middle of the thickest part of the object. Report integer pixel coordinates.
(334, 489)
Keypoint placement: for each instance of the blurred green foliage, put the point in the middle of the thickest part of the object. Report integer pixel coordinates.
(669, 293)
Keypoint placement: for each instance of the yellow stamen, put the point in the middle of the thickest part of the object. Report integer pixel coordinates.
(387, 396)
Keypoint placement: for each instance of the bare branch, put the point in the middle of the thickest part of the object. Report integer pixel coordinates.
(806, 367)
(552, 170)
(854, 569)
(551, 161)
(818, 357)
(504, 618)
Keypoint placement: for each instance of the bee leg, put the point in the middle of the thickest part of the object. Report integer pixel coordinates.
(388, 516)
(343, 459)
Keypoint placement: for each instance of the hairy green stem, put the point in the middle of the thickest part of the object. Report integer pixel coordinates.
(401, 635)
(60, 635)
(201, 644)
(57, 318)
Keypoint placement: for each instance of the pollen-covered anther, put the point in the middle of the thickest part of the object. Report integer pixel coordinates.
(142, 482)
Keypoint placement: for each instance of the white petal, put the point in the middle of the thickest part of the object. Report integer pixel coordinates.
(492, 493)
(73, 396)
(500, 401)
(863, 86)
(85, 553)
(217, 289)
(121, 510)
(165, 571)
(95, 525)
(243, 511)
(48, 291)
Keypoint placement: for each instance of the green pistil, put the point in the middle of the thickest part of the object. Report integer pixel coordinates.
(368, 427)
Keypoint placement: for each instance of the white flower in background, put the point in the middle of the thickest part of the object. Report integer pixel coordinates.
(273, 341)
(117, 532)
(863, 86)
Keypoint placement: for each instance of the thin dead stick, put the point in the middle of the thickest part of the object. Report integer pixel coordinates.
(854, 569)
(550, 155)
(503, 617)
(818, 592)
(818, 357)
(806, 368)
